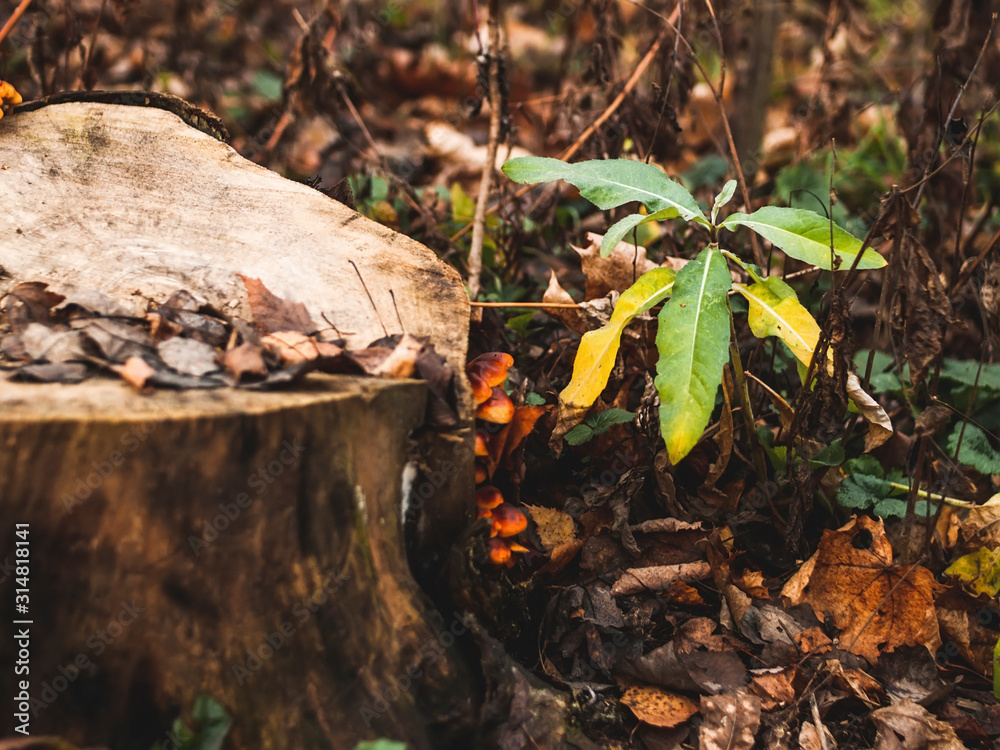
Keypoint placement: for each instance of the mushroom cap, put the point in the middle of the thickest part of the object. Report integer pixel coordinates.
(508, 520)
(498, 408)
(488, 496)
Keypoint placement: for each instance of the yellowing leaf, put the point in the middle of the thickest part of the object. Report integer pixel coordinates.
(980, 569)
(776, 311)
(596, 356)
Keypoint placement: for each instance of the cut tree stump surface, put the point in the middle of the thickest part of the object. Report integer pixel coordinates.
(177, 537)
(134, 202)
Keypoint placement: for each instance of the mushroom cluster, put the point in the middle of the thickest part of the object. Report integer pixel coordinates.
(487, 374)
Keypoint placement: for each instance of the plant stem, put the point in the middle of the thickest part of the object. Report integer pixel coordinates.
(743, 393)
(932, 497)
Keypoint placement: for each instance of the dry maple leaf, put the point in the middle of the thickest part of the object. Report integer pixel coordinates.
(875, 604)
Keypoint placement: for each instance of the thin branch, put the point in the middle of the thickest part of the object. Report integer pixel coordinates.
(486, 183)
(18, 12)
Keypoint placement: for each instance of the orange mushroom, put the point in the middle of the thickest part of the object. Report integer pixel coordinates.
(499, 551)
(508, 521)
(488, 497)
(491, 367)
(498, 408)
(481, 475)
(482, 443)
(481, 390)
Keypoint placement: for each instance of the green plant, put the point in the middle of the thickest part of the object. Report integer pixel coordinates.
(597, 424)
(696, 324)
(213, 724)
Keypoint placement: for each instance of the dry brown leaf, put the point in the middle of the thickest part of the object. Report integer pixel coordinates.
(730, 721)
(555, 528)
(907, 726)
(773, 686)
(574, 320)
(615, 273)
(876, 605)
(272, 313)
(290, 347)
(659, 577)
(879, 424)
(136, 371)
(659, 707)
(402, 361)
(245, 362)
(856, 683)
(813, 641)
(981, 527)
(459, 150)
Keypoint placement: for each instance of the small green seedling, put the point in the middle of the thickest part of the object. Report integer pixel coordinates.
(696, 323)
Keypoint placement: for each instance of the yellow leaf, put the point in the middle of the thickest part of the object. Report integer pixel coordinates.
(595, 357)
(979, 569)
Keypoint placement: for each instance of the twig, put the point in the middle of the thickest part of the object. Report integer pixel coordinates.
(93, 43)
(609, 110)
(18, 12)
(486, 183)
(541, 305)
(958, 98)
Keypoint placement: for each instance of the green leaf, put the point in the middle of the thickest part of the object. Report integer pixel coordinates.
(863, 491)
(617, 231)
(213, 723)
(693, 341)
(964, 371)
(605, 420)
(534, 399)
(805, 236)
(723, 198)
(382, 744)
(596, 356)
(976, 450)
(608, 183)
(579, 434)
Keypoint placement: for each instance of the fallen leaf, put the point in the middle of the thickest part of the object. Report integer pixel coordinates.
(555, 527)
(773, 686)
(136, 371)
(979, 570)
(403, 360)
(245, 362)
(614, 273)
(272, 313)
(188, 356)
(730, 721)
(876, 605)
(982, 523)
(907, 726)
(659, 707)
(659, 577)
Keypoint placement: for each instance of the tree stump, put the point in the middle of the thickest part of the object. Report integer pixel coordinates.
(241, 544)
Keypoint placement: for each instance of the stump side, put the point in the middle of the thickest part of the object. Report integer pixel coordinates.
(247, 546)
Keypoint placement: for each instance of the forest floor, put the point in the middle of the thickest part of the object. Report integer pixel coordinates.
(804, 583)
